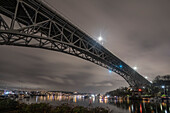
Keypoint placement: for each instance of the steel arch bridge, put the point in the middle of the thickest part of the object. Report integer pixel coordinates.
(31, 23)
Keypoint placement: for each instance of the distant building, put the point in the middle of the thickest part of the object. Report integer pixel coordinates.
(163, 82)
(1, 92)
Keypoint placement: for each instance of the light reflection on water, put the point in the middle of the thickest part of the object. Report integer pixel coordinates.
(142, 106)
(123, 106)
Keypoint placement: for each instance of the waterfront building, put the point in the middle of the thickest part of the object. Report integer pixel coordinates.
(1, 92)
(163, 82)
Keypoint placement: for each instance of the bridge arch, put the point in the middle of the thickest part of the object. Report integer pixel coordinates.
(33, 24)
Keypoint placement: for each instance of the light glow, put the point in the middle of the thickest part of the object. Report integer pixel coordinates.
(100, 38)
(135, 68)
(110, 71)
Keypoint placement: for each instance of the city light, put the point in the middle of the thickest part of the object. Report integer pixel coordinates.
(100, 38)
(140, 90)
(120, 66)
(146, 77)
(110, 71)
(163, 86)
(6, 93)
(93, 95)
(135, 68)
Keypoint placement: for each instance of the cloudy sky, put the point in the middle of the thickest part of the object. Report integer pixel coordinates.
(135, 31)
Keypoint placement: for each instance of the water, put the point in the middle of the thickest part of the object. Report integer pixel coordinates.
(118, 106)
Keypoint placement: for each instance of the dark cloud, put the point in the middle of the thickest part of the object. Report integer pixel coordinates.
(135, 31)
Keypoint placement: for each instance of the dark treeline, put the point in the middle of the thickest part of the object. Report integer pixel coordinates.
(11, 106)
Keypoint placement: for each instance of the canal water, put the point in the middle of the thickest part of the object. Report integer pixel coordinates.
(117, 106)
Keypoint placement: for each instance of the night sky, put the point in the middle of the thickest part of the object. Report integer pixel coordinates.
(138, 32)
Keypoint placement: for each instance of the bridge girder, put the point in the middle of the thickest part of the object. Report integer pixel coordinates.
(34, 24)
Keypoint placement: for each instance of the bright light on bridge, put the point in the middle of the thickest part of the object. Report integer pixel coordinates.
(110, 71)
(135, 68)
(100, 38)
(120, 66)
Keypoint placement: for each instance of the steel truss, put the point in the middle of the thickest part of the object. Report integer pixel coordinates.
(34, 24)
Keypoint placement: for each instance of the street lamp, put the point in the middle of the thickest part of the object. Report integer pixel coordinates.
(163, 87)
(100, 38)
(135, 68)
(110, 71)
(146, 77)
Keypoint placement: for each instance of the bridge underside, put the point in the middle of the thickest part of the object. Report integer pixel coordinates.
(31, 23)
